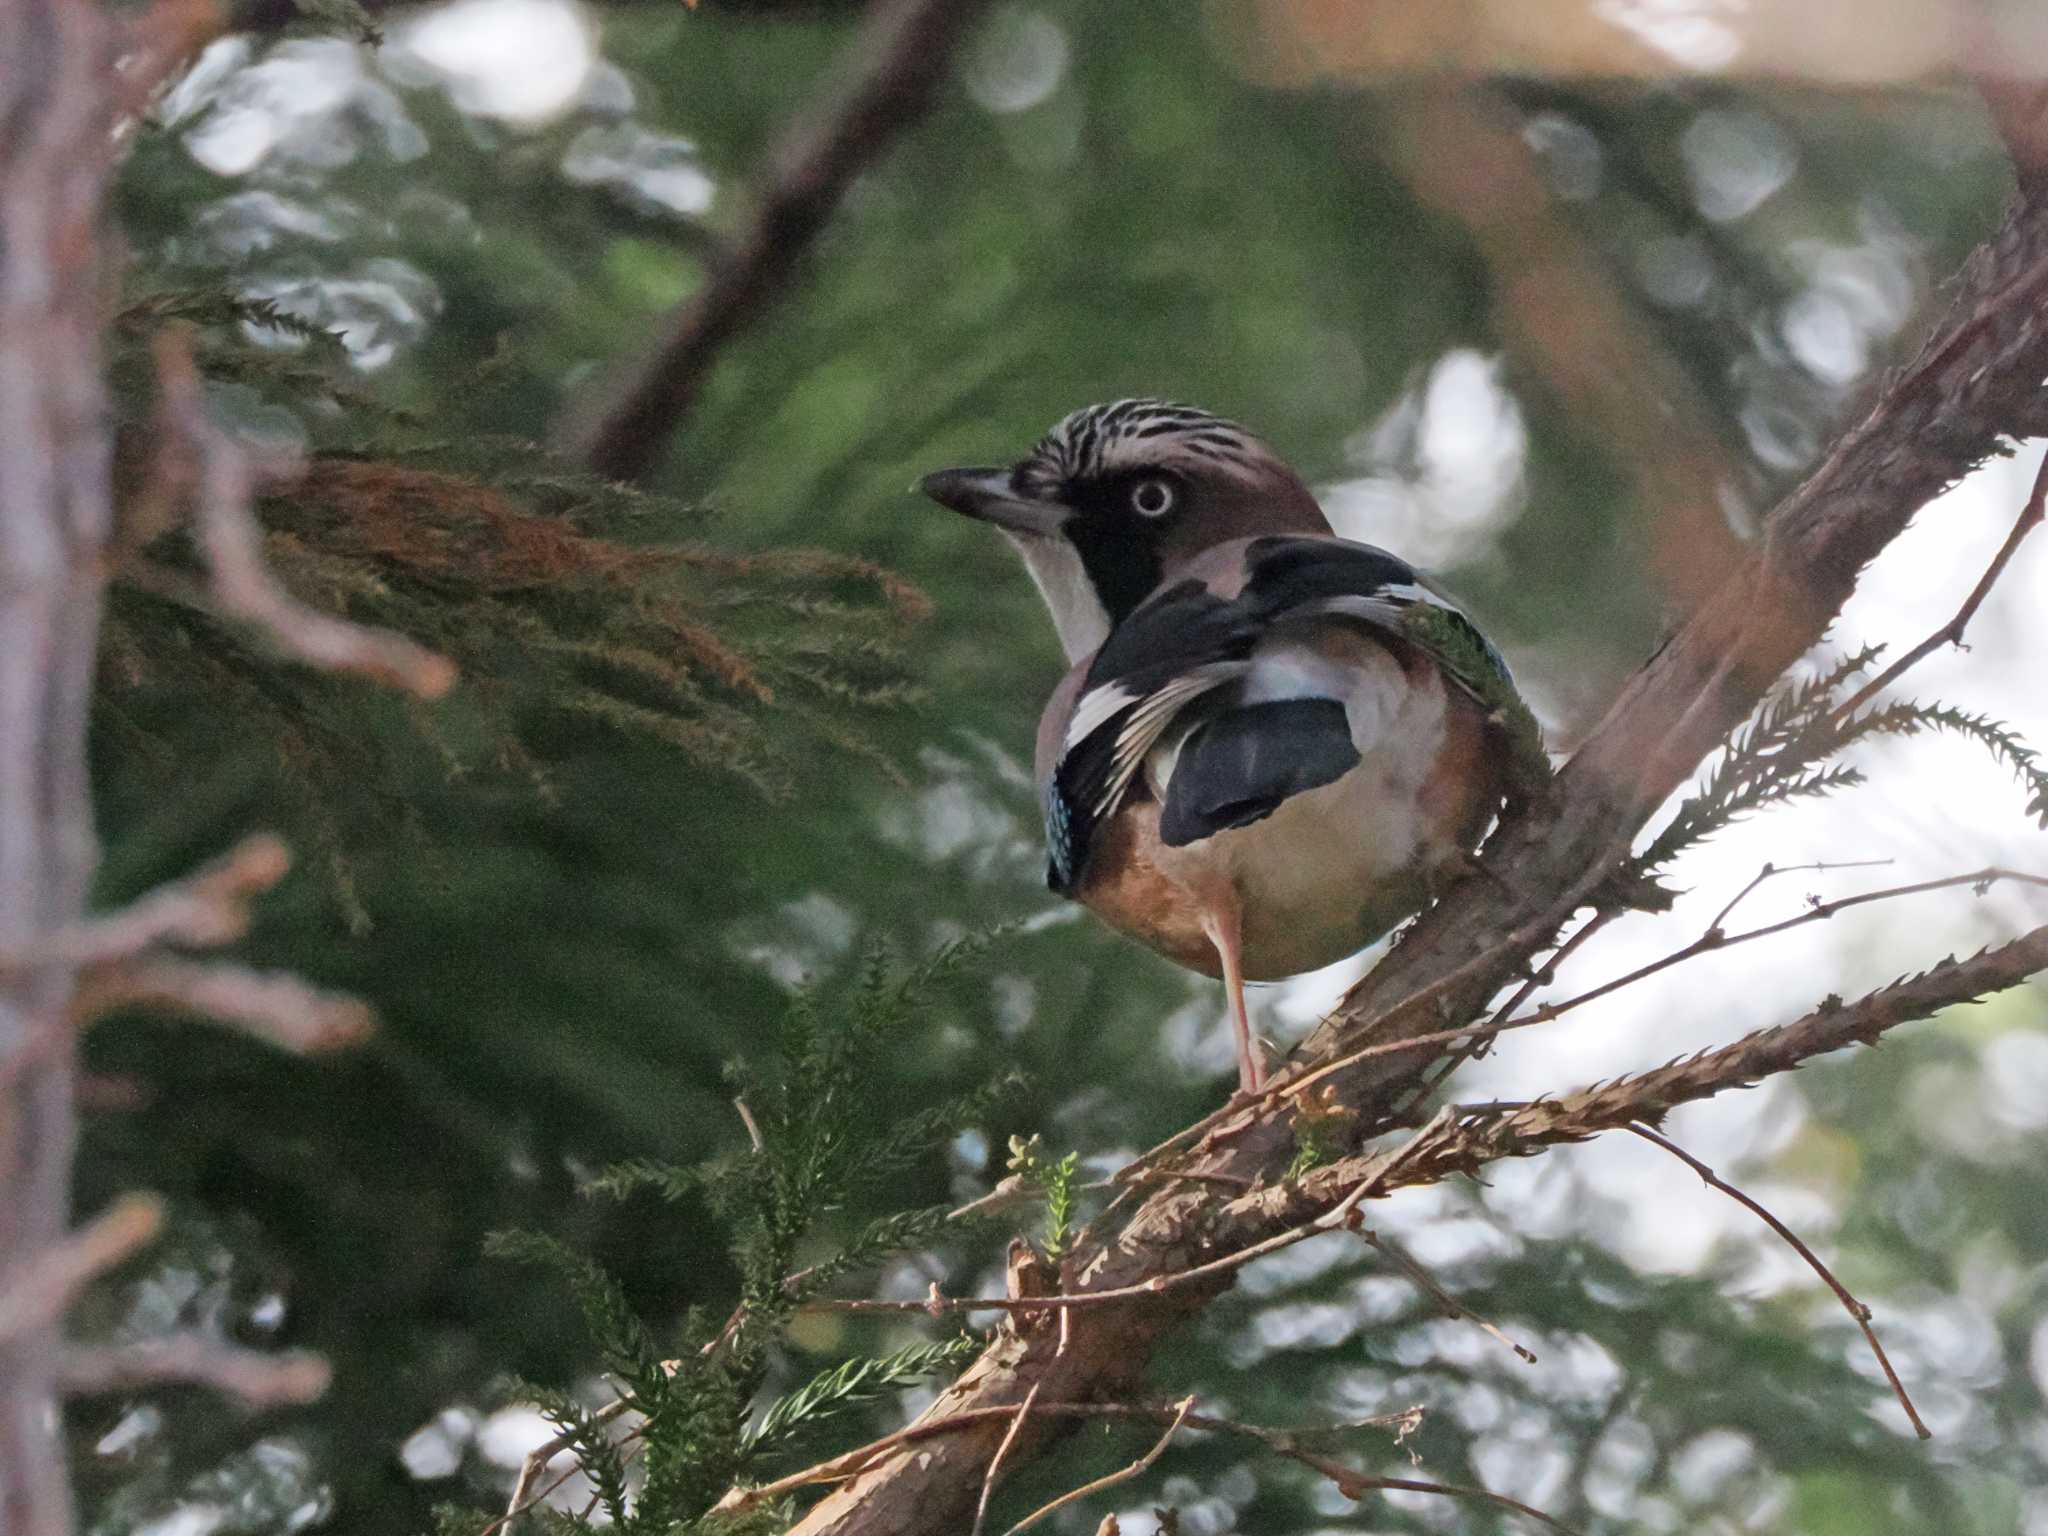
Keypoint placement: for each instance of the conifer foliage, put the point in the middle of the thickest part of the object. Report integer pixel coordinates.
(694, 1413)
(564, 599)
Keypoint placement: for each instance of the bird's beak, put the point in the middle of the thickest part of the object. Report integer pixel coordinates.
(987, 494)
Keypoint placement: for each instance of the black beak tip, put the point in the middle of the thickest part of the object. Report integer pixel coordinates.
(962, 490)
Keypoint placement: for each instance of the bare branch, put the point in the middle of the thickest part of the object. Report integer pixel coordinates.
(900, 55)
(1850, 1304)
(747, 1119)
(274, 1006)
(1772, 871)
(2019, 110)
(1951, 633)
(1817, 912)
(207, 908)
(1353, 1484)
(1109, 1480)
(36, 1291)
(995, 1466)
(259, 1378)
(1476, 1137)
(1409, 1265)
(536, 1462)
(1366, 1182)
(242, 587)
(1711, 939)
(56, 153)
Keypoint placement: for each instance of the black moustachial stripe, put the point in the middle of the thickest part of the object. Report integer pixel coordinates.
(1122, 569)
(1187, 627)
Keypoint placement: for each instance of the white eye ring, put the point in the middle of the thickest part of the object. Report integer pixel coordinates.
(1152, 498)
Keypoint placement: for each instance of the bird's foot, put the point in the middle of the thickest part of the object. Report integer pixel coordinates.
(1252, 1075)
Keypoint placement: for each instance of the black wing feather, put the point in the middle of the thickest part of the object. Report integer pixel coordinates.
(1236, 768)
(1186, 627)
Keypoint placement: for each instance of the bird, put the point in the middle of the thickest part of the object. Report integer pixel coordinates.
(1273, 745)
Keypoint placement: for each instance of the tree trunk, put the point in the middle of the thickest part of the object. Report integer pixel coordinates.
(55, 87)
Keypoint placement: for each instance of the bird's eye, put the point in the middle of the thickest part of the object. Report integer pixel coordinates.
(1152, 498)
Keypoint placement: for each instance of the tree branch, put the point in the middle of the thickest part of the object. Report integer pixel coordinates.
(35, 1293)
(1856, 1309)
(275, 1006)
(1352, 1484)
(1951, 633)
(1976, 382)
(241, 585)
(258, 1378)
(207, 908)
(1138, 1468)
(900, 56)
(1465, 1143)
(57, 86)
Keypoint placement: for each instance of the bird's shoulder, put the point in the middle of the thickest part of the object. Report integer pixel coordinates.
(1217, 606)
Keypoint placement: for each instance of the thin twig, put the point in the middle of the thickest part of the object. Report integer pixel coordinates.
(274, 1006)
(1352, 1484)
(1109, 1480)
(1951, 633)
(1544, 1014)
(995, 1466)
(1012, 1190)
(208, 907)
(38, 1290)
(536, 1461)
(242, 587)
(260, 1378)
(1546, 973)
(1413, 1268)
(1819, 911)
(900, 54)
(1772, 871)
(1855, 1308)
(1529, 934)
(747, 1119)
(1369, 1180)
(1477, 1042)
(1474, 1138)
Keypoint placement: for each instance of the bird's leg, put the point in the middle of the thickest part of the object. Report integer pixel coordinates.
(1220, 923)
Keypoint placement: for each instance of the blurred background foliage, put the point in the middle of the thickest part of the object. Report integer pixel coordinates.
(1563, 340)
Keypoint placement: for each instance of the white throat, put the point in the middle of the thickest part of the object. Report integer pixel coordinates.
(1077, 613)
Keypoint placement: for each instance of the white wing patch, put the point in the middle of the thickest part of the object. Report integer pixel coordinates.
(1094, 711)
(1148, 722)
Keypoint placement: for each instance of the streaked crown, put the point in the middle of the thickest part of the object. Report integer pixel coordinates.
(1098, 441)
(1118, 498)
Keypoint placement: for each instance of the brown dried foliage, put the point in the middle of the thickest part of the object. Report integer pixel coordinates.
(541, 586)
